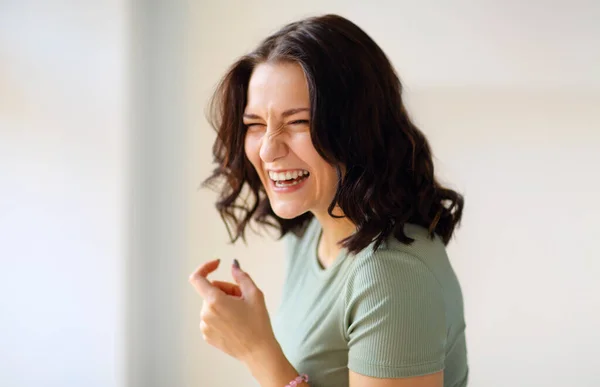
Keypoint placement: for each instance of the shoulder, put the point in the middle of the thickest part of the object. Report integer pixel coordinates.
(394, 314)
(393, 277)
(397, 266)
(397, 283)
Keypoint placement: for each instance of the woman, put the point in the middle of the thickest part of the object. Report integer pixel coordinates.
(314, 140)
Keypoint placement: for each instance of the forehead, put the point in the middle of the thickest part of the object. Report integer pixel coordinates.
(277, 87)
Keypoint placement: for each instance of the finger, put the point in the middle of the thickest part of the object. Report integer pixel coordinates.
(244, 280)
(200, 282)
(207, 267)
(228, 288)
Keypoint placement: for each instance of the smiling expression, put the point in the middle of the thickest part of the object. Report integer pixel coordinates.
(278, 141)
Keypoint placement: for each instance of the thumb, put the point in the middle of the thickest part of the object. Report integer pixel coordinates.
(243, 279)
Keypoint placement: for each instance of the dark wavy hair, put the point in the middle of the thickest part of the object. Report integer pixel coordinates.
(358, 124)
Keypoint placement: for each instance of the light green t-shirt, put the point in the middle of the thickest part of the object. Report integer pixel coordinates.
(394, 313)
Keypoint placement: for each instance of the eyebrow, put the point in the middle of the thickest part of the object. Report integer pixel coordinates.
(287, 113)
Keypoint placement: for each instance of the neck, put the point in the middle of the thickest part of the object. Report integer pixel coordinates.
(334, 230)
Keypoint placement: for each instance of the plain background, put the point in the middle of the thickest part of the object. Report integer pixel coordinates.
(103, 144)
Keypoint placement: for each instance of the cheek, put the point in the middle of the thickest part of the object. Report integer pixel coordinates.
(302, 146)
(325, 173)
(330, 179)
(252, 149)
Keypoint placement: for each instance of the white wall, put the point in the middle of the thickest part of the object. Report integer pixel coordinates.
(508, 94)
(63, 97)
(98, 233)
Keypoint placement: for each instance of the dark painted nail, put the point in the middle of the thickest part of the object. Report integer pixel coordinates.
(236, 263)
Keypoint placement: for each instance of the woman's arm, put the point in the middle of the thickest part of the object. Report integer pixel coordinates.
(431, 380)
(271, 368)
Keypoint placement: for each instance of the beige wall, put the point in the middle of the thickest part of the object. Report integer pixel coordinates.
(510, 104)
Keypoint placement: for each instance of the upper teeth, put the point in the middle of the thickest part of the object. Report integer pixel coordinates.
(280, 176)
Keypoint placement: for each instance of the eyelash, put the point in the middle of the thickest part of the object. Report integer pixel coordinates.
(296, 122)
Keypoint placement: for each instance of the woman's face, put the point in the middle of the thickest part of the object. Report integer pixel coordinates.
(278, 144)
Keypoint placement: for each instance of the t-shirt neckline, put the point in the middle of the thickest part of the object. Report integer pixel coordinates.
(314, 254)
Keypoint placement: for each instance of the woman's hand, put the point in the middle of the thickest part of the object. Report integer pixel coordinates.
(234, 318)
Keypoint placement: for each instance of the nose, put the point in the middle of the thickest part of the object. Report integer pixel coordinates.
(273, 146)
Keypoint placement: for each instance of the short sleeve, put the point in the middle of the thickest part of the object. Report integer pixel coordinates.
(395, 317)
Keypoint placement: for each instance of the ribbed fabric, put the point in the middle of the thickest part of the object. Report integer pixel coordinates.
(394, 313)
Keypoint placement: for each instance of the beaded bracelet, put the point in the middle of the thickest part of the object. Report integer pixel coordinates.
(298, 380)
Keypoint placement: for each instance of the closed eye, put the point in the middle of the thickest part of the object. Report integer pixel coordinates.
(254, 125)
(299, 122)
(259, 126)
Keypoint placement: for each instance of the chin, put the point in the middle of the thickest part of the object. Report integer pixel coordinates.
(287, 210)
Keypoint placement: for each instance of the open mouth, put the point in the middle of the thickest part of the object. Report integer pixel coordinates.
(289, 178)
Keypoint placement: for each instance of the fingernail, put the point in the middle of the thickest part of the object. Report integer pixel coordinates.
(236, 264)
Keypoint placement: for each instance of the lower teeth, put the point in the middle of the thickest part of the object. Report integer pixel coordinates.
(282, 184)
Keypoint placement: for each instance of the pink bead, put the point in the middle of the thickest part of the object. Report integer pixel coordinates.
(299, 379)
